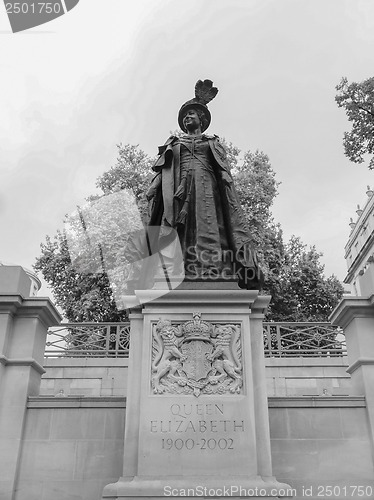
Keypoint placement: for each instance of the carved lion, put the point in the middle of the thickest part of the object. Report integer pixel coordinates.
(225, 356)
(168, 357)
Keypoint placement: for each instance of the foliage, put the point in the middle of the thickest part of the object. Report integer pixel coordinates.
(82, 296)
(358, 101)
(257, 188)
(76, 273)
(301, 292)
(293, 274)
(132, 171)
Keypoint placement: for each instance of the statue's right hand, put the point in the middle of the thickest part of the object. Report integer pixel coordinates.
(226, 178)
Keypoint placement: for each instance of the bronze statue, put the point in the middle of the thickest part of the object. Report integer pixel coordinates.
(193, 193)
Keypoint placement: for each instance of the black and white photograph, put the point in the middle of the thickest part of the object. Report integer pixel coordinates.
(186, 249)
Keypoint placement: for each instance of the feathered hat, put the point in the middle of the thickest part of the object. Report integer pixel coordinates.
(204, 93)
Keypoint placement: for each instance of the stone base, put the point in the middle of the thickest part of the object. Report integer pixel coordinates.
(197, 283)
(202, 486)
(197, 416)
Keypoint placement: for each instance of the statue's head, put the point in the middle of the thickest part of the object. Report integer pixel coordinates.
(204, 93)
(186, 112)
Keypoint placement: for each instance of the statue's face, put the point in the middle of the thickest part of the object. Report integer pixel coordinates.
(191, 120)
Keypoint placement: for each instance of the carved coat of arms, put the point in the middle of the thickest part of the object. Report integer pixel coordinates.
(196, 357)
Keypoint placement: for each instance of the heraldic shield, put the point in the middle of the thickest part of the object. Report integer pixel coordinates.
(196, 365)
(196, 357)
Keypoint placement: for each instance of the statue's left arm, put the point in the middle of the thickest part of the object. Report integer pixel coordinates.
(154, 187)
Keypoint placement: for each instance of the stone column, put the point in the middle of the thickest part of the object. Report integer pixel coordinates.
(258, 310)
(133, 394)
(23, 328)
(356, 316)
(197, 414)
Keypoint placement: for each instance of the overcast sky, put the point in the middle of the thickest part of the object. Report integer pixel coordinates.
(112, 71)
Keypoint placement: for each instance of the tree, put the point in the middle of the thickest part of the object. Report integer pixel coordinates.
(358, 101)
(133, 171)
(293, 274)
(81, 296)
(300, 291)
(257, 188)
(83, 290)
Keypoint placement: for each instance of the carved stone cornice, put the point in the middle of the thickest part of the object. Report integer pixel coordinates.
(260, 305)
(36, 307)
(22, 362)
(229, 297)
(358, 363)
(76, 402)
(317, 402)
(350, 308)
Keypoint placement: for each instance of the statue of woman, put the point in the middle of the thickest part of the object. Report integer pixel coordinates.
(193, 193)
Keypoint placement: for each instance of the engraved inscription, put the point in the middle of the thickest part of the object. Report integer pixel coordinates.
(182, 426)
(196, 357)
(203, 444)
(197, 426)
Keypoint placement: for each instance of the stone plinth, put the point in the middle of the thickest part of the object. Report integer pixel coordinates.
(356, 316)
(14, 281)
(23, 328)
(197, 414)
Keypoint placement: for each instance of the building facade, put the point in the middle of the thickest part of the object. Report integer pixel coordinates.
(359, 250)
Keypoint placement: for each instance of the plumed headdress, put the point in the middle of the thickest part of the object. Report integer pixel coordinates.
(204, 93)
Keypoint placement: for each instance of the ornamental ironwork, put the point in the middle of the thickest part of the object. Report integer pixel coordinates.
(281, 339)
(88, 340)
(303, 340)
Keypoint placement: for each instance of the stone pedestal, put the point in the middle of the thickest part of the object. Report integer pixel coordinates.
(356, 316)
(197, 414)
(23, 328)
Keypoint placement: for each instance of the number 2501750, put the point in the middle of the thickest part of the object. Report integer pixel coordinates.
(33, 8)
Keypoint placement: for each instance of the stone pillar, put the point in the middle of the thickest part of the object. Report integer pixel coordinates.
(133, 394)
(355, 314)
(197, 414)
(258, 310)
(23, 328)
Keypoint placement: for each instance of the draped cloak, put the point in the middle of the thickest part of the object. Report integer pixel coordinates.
(219, 221)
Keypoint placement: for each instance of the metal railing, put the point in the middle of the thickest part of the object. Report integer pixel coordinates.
(113, 339)
(88, 340)
(303, 340)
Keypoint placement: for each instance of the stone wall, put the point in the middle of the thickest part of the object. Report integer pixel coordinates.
(73, 446)
(69, 447)
(85, 376)
(307, 376)
(108, 376)
(322, 442)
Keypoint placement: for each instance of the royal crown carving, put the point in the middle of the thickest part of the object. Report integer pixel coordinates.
(196, 357)
(196, 329)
